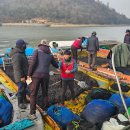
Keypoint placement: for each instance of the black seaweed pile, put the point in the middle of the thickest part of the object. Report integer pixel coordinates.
(54, 92)
(99, 60)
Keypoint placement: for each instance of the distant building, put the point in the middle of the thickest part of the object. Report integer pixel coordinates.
(39, 20)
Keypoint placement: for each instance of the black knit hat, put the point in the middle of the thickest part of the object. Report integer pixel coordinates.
(20, 43)
(94, 33)
(67, 52)
(127, 31)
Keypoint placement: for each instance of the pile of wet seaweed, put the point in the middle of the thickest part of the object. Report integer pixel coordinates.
(99, 60)
(55, 91)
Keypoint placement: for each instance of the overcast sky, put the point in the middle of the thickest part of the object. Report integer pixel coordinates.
(122, 6)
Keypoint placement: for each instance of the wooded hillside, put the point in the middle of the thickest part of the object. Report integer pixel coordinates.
(67, 11)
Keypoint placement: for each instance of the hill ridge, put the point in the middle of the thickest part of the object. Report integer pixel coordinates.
(67, 11)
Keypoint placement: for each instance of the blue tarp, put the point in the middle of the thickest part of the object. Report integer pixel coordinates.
(61, 115)
(29, 51)
(1, 62)
(6, 110)
(85, 42)
(19, 125)
(116, 100)
(98, 110)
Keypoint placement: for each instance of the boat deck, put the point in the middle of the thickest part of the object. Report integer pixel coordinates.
(23, 113)
(105, 72)
(109, 42)
(20, 114)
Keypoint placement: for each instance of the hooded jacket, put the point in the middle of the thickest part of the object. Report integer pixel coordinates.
(20, 63)
(40, 64)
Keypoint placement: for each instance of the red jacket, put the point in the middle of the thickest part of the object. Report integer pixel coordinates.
(67, 66)
(77, 43)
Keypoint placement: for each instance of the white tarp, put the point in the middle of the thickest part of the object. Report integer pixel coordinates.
(113, 124)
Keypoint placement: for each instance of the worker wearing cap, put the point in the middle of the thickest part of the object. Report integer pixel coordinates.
(127, 37)
(20, 67)
(39, 72)
(92, 48)
(68, 68)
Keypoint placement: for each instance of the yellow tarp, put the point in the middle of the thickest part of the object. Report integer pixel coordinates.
(78, 106)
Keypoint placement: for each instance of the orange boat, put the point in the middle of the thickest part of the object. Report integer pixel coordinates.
(106, 73)
(101, 53)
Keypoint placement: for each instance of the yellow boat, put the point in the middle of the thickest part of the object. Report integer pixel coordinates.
(104, 73)
(41, 123)
(103, 82)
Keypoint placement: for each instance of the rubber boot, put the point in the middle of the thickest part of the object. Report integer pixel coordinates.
(20, 100)
(25, 100)
(20, 103)
(45, 102)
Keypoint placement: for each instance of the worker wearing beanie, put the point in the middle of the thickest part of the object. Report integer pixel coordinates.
(20, 67)
(127, 37)
(92, 48)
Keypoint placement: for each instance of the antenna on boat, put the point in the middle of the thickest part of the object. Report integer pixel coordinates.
(119, 87)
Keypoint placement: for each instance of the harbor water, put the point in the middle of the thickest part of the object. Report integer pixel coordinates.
(33, 34)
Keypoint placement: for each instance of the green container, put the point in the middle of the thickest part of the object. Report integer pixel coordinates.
(104, 47)
(128, 112)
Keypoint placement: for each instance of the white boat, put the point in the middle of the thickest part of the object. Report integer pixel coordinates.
(67, 44)
(62, 44)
